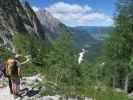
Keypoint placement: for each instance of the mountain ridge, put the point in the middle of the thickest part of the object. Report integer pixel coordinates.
(53, 27)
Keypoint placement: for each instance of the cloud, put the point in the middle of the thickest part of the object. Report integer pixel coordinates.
(36, 8)
(79, 15)
(62, 8)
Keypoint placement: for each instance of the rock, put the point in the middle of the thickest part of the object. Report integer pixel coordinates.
(33, 80)
(56, 97)
(53, 27)
(5, 94)
(86, 98)
(18, 18)
(118, 90)
(30, 92)
(130, 95)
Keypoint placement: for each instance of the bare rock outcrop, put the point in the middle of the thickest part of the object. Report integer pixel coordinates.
(16, 17)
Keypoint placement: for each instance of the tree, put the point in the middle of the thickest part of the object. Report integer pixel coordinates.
(120, 44)
(30, 45)
(62, 63)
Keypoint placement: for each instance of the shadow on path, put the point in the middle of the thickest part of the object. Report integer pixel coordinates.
(29, 93)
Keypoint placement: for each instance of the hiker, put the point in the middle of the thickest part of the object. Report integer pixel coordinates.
(9, 64)
(13, 72)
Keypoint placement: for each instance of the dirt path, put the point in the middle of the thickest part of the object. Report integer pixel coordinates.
(5, 94)
(27, 94)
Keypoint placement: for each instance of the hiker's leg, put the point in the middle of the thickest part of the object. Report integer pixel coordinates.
(14, 87)
(18, 85)
(10, 85)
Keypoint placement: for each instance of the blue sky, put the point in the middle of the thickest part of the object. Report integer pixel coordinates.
(91, 12)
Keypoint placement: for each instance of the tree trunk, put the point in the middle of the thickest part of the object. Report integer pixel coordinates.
(114, 81)
(126, 83)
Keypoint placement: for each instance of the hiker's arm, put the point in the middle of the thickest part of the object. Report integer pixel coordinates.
(26, 61)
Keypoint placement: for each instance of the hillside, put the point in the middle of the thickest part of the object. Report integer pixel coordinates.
(91, 38)
(53, 27)
(97, 32)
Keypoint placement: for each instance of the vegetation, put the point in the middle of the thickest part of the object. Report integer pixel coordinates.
(61, 63)
(35, 47)
(119, 49)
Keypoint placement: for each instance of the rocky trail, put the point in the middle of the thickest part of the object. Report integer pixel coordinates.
(5, 92)
(28, 88)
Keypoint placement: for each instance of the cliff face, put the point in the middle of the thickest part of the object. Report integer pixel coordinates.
(18, 18)
(53, 27)
(50, 23)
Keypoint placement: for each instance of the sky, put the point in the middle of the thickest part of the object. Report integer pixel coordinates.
(79, 12)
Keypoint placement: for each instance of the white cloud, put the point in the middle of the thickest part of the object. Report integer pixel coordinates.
(62, 7)
(78, 15)
(36, 8)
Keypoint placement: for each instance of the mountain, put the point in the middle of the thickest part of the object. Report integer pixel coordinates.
(89, 37)
(98, 33)
(53, 27)
(18, 18)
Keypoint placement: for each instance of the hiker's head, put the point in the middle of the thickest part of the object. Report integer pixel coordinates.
(17, 57)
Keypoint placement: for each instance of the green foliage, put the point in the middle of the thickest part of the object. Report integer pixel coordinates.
(32, 69)
(61, 62)
(30, 45)
(119, 46)
(5, 54)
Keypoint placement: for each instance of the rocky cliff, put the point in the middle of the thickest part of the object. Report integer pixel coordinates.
(18, 18)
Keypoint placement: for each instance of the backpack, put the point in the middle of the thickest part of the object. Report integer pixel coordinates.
(14, 69)
(11, 68)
